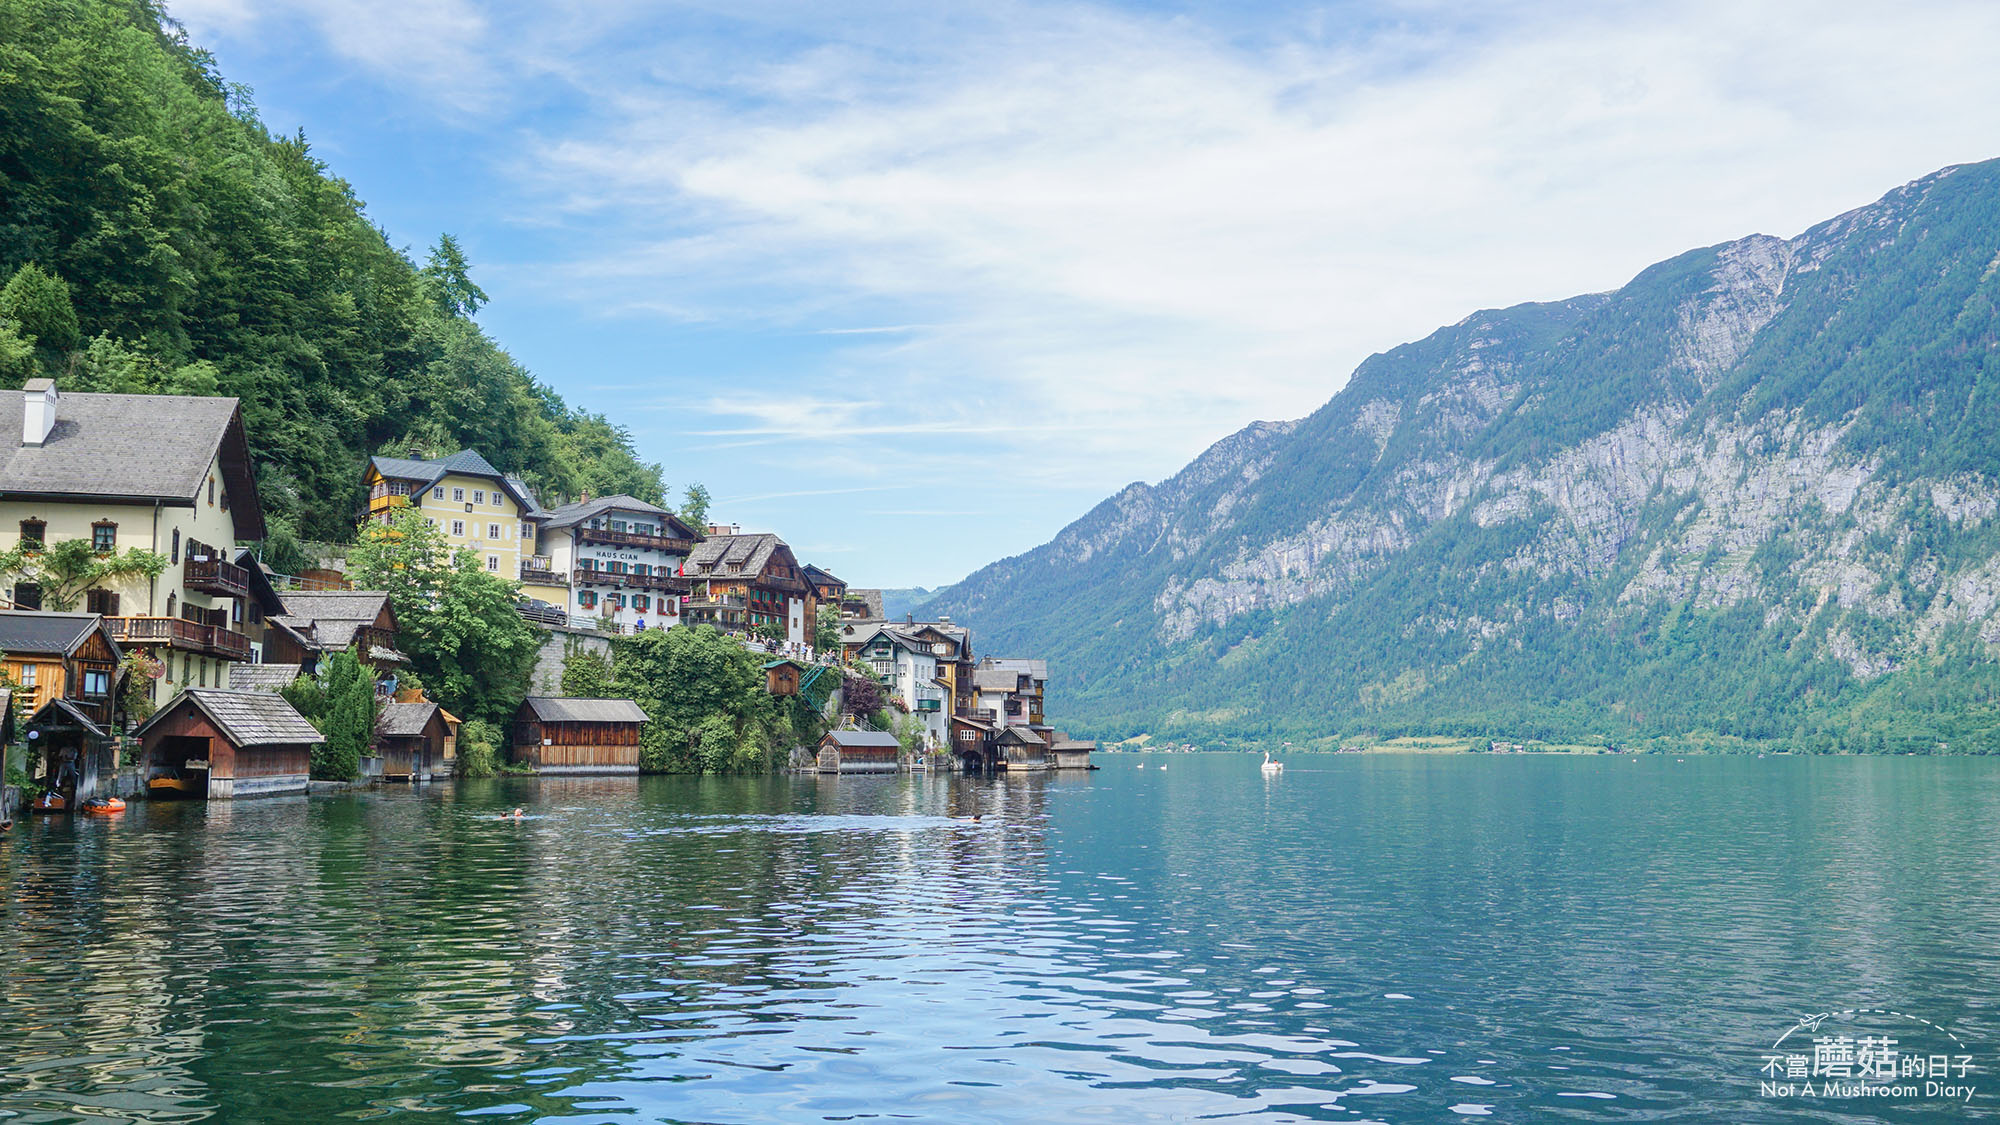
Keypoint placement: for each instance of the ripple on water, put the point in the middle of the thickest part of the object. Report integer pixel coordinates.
(798, 949)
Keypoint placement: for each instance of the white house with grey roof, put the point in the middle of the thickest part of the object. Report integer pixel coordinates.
(617, 558)
(167, 473)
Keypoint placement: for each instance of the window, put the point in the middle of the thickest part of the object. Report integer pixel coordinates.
(204, 673)
(587, 599)
(492, 531)
(493, 562)
(177, 545)
(236, 611)
(527, 531)
(102, 602)
(33, 531)
(104, 537)
(170, 604)
(617, 525)
(399, 488)
(211, 492)
(256, 614)
(458, 494)
(640, 601)
(458, 529)
(940, 647)
(437, 493)
(28, 675)
(479, 496)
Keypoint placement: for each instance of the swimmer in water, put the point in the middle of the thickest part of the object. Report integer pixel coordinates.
(515, 815)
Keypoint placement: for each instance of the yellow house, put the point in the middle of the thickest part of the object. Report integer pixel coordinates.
(167, 473)
(474, 504)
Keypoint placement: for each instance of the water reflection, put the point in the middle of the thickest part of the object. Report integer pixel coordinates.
(1359, 938)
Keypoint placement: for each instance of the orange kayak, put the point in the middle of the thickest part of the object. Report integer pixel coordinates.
(103, 806)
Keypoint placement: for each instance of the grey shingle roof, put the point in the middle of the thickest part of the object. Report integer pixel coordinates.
(996, 679)
(732, 554)
(584, 509)
(262, 677)
(868, 597)
(1022, 735)
(63, 713)
(34, 633)
(401, 720)
(246, 718)
(143, 447)
(465, 463)
(329, 617)
(853, 738)
(820, 576)
(551, 709)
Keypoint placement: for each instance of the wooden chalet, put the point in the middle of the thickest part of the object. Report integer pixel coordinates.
(229, 743)
(411, 739)
(67, 667)
(578, 736)
(315, 624)
(859, 751)
(741, 582)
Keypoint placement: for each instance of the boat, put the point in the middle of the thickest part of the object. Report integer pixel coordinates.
(102, 806)
(168, 785)
(1270, 766)
(50, 802)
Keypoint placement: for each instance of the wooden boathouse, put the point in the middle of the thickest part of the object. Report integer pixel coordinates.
(244, 743)
(411, 740)
(578, 736)
(859, 751)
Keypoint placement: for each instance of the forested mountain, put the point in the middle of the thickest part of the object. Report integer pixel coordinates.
(1751, 495)
(159, 238)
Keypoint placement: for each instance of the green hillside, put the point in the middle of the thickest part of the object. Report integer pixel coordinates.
(160, 238)
(1749, 496)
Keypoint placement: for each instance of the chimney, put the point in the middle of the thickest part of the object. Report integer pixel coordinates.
(38, 411)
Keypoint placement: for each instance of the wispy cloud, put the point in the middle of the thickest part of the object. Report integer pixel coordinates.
(1077, 242)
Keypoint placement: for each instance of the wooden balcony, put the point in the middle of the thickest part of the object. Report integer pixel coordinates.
(177, 633)
(372, 637)
(633, 539)
(213, 576)
(667, 583)
(533, 575)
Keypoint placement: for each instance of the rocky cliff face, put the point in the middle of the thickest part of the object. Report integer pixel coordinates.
(1734, 497)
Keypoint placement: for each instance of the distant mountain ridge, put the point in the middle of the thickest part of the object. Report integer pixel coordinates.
(1750, 495)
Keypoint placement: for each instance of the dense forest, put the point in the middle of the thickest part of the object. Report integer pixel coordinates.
(1752, 498)
(157, 237)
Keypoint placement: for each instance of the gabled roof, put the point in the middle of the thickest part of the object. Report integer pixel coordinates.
(1036, 669)
(260, 583)
(402, 720)
(869, 598)
(60, 712)
(850, 739)
(1021, 734)
(569, 515)
(132, 447)
(553, 709)
(799, 664)
(733, 555)
(246, 718)
(26, 632)
(327, 619)
(996, 679)
(262, 677)
(465, 463)
(820, 576)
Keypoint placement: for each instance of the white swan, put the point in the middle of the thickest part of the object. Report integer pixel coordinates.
(1270, 766)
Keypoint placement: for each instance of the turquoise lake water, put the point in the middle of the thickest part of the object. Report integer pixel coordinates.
(1363, 938)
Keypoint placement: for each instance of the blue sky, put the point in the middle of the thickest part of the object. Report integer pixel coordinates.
(914, 285)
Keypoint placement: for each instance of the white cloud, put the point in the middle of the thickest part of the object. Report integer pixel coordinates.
(1118, 224)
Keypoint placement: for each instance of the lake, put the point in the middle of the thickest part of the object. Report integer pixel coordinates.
(1362, 938)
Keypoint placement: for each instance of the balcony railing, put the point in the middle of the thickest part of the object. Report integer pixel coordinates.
(213, 576)
(670, 583)
(539, 574)
(372, 637)
(178, 633)
(633, 539)
(715, 601)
